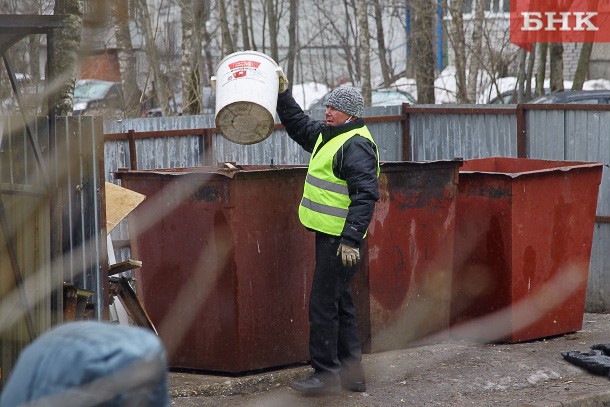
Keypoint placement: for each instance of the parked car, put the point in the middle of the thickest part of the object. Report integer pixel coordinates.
(507, 97)
(97, 96)
(589, 97)
(378, 98)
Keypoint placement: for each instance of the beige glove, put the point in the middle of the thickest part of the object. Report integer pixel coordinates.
(283, 83)
(350, 256)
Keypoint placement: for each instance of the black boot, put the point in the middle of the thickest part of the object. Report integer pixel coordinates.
(352, 378)
(317, 385)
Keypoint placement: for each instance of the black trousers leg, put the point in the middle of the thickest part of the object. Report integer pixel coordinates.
(332, 317)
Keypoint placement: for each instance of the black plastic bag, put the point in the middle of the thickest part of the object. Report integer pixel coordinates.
(594, 361)
(604, 347)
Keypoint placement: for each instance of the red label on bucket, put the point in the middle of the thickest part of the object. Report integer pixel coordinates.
(240, 68)
(244, 64)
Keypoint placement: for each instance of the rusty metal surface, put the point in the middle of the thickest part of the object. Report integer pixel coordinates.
(226, 264)
(404, 287)
(523, 243)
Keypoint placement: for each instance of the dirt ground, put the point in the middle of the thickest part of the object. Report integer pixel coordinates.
(449, 373)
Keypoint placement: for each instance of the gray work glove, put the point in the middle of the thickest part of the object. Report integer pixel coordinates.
(283, 82)
(350, 256)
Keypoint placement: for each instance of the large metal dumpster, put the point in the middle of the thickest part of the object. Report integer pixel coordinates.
(523, 242)
(226, 264)
(403, 290)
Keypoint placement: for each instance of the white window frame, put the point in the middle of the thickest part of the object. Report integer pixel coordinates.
(488, 13)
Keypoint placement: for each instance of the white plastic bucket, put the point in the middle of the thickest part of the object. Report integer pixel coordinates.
(246, 84)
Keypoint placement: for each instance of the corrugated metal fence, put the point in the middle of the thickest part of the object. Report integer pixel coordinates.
(51, 222)
(413, 133)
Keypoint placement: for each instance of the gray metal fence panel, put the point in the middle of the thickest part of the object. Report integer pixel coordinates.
(580, 135)
(56, 229)
(439, 136)
(598, 286)
(277, 149)
(547, 134)
(387, 135)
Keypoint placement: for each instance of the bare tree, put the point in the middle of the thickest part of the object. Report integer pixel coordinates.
(127, 58)
(583, 66)
(458, 44)
(159, 84)
(423, 34)
(191, 58)
(67, 45)
(206, 42)
(521, 76)
(292, 40)
(272, 22)
(556, 66)
(243, 16)
(365, 52)
(531, 61)
(381, 48)
(476, 51)
(540, 73)
(228, 46)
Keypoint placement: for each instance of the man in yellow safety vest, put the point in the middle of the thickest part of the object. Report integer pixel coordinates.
(338, 202)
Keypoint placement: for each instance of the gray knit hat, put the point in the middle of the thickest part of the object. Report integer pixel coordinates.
(348, 100)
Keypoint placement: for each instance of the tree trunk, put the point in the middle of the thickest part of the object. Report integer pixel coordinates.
(67, 45)
(458, 41)
(127, 59)
(540, 74)
(476, 51)
(556, 67)
(292, 40)
(236, 22)
(159, 86)
(244, 24)
(531, 61)
(423, 33)
(191, 79)
(385, 68)
(227, 41)
(352, 53)
(272, 17)
(251, 25)
(582, 70)
(521, 76)
(365, 51)
(206, 40)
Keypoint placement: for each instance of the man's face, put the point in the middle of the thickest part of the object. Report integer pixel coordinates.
(335, 117)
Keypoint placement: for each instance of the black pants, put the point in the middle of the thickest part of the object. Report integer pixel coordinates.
(334, 343)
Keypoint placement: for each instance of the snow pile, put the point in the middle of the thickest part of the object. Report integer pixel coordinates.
(307, 93)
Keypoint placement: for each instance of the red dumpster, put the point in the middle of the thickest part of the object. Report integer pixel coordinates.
(226, 264)
(403, 290)
(522, 247)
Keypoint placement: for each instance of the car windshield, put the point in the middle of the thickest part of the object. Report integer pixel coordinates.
(91, 90)
(389, 98)
(378, 98)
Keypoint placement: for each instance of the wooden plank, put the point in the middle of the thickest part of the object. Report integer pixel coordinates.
(124, 266)
(119, 203)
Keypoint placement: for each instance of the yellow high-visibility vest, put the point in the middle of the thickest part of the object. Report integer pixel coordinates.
(326, 200)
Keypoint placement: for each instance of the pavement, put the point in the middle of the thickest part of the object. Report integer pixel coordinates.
(445, 371)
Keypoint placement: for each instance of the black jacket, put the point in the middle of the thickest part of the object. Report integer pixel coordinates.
(355, 162)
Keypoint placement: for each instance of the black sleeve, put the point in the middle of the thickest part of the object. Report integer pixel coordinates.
(299, 126)
(356, 163)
